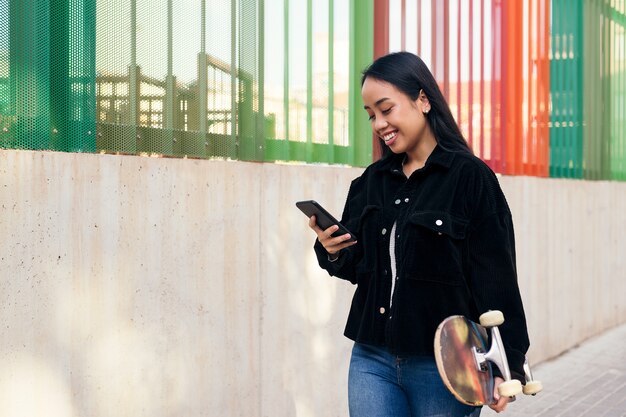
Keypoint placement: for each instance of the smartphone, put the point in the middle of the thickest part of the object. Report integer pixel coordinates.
(323, 218)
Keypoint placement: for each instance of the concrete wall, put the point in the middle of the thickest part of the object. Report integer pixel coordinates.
(135, 286)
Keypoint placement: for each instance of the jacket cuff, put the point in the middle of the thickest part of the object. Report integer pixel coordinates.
(323, 258)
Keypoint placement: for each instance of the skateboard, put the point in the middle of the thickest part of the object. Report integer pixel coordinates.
(465, 355)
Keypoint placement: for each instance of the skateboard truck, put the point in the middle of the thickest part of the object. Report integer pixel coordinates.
(496, 354)
(532, 387)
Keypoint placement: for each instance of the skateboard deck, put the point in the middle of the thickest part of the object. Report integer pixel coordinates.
(455, 339)
(465, 353)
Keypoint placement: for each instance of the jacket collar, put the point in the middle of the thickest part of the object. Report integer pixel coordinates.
(439, 156)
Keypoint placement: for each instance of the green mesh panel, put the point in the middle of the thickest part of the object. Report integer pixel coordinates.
(7, 113)
(219, 66)
(362, 51)
(249, 119)
(616, 42)
(588, 85)
(72, 75)
(115, 114)
(242, 79)
(47, 75)
(566, 82)
(595, 130)
(310, 73)
(26, 101)
(605, 92)
(600, 76)
(179, 79)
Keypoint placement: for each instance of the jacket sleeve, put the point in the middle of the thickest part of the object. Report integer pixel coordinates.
(343, 267)
(491, 270)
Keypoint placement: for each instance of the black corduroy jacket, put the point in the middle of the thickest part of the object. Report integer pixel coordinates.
(454, 249)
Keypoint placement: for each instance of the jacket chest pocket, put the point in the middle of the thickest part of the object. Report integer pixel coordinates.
(432, 247)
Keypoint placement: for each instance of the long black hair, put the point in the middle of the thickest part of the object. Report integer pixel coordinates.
(409, 74)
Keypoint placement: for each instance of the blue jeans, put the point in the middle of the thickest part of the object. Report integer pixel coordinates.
(384, 385)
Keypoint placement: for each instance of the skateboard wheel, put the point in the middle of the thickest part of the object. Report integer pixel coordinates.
(510, 388)
(532, 387)
(491, 318)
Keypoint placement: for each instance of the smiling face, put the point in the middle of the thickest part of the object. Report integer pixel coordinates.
(397, 119)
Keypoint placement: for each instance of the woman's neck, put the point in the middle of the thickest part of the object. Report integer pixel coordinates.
(416, 159)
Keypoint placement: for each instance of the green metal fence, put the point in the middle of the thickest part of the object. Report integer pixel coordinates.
(256, 80)
(614, 40)
(322, 50)
(588, 89)
(566, 80)
(47, 75)
(263, 80)
(26, 112)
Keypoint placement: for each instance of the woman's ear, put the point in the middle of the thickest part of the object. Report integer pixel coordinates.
(423, 102)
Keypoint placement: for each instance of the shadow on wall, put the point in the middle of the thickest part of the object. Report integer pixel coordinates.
(304, 309)
(30, 386)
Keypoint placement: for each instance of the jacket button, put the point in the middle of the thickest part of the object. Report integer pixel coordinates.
(398, 201)
(406, 200)
(438, 222)
(382, 310)
(384, 231)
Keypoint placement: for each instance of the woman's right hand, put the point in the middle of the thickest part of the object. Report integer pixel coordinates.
(330, 243)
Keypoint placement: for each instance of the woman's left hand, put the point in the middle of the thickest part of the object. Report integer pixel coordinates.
(501, 402)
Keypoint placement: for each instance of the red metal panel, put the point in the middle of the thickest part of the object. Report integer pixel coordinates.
(403, 26)
(526, 130)
(481, 148)
(381, 47)
(419, 27)
(511, 133)
(446, 48)
(542, 96)
(513, 89)
(470, 84)
(459, 103)
(497, 144)
(440, 44)
(433, 36)
(381, 28)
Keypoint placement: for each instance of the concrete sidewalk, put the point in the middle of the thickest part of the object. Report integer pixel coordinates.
(589, 380)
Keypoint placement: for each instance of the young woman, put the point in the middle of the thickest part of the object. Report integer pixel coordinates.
(434, 239)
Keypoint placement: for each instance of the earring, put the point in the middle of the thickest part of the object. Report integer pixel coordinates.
(426, 110)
